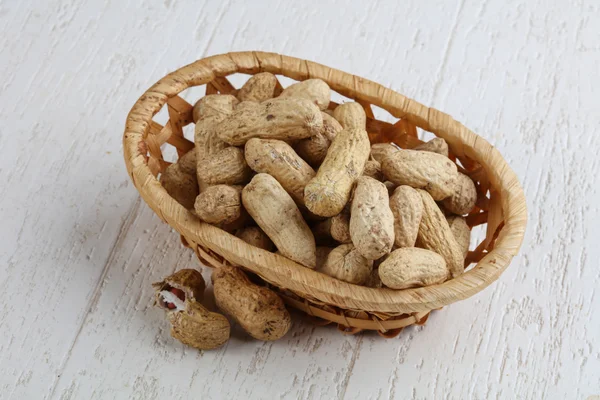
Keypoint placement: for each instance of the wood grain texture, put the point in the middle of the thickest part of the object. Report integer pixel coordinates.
(80, 249)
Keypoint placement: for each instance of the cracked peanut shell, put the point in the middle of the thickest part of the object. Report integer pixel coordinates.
(191, 323)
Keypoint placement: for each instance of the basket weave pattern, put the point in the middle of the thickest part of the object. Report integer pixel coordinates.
(501, 204)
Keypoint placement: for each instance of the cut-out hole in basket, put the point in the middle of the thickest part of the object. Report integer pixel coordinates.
(188, 132)
(424, 135)
(169, 153)
(383, 115)
(285, 81)
(193, 94)
(340, 99)
(162, 116)
(238, 79)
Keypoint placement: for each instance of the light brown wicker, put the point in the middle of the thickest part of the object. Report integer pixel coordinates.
(354, 308)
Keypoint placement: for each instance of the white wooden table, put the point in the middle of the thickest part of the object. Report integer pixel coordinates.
(79, 248)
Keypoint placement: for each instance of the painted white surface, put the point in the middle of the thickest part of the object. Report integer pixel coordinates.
(79, 249)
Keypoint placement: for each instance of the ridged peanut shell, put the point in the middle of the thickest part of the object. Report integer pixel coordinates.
(461, 231)
(371, 220)
(379, 151)
(422, 170)
(464, 197)
(284, 119)
(314, 90)
(340, 226)
(347, 264)
(255, 236)
(191, 323)
(278, 159)
(190, 281)
(258, 310)
(436, 145)
(407, 208)
(314, 149)
(227, 167)
(258, 88)
(219, 204)
(329, 191)
(350, 115)
(197, 327)
(276, 213)
(411, 267)
(435, 235)
(179, 180)
(373, 170)
(209, 111)
(213, 105)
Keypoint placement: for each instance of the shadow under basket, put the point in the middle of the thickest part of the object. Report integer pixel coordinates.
(501, 202)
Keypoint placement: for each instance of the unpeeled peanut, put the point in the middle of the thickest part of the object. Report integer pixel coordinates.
(379, 151)
(329, 191)
(336, 228)
(410, 267)
(228, 166)
(347, 264)
(373, 170)
(216, 163)
(213, 105)
(340, 226)
(436, 145)
(461, 231)
(219, 204)
(258, 88)
(407, 207)
(315, 90)
(255, 236)
(371, 220)
(435, 234)
(351, 115)
(280, 118)
(422, 170)
(258, 310)
(278, 159)
(277, 215)
(314, 149)
(179, 180)
(464, 197)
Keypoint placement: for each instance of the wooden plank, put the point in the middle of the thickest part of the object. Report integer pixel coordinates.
(80, 249)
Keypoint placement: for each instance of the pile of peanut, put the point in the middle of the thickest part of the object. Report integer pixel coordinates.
(285, 174)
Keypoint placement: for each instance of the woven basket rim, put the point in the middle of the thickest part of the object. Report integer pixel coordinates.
(283, 272)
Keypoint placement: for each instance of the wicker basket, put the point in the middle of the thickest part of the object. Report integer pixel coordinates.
(353, 308)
